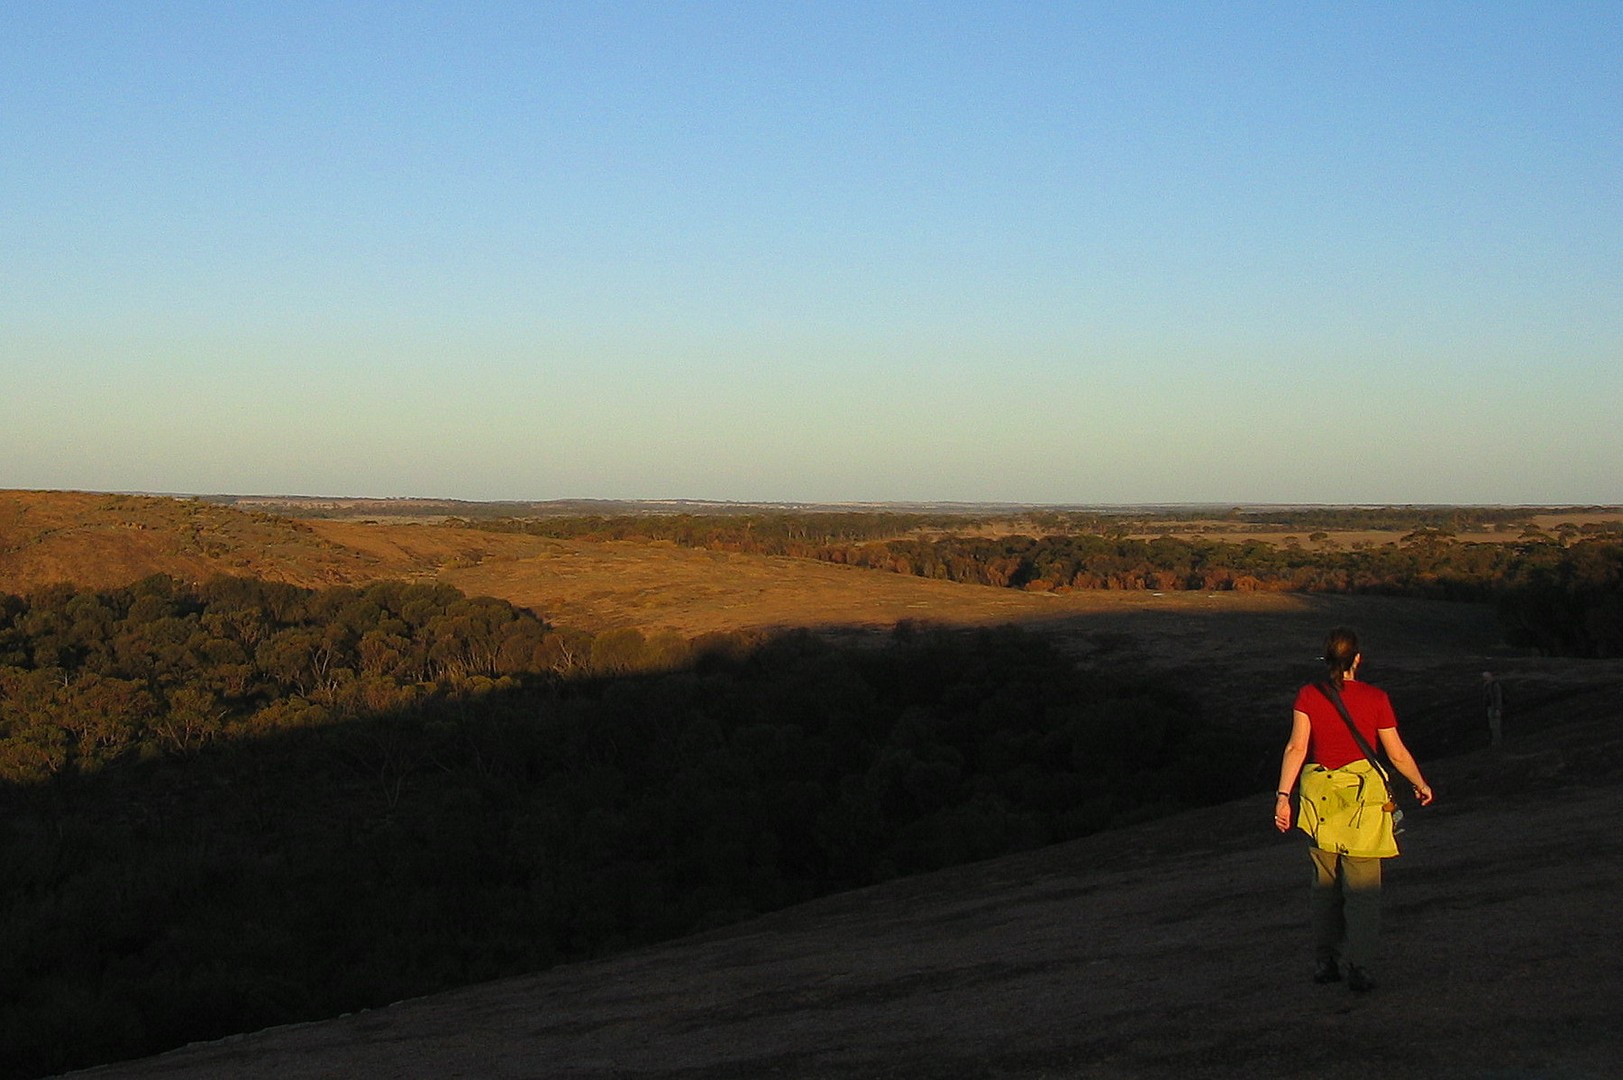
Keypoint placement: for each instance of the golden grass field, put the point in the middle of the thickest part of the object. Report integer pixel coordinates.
(102, 540)
(106, 540)
(1244, 650)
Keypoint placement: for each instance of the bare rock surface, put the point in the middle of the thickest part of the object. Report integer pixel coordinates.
(1174, 948)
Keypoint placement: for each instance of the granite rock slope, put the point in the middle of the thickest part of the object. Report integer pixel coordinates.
(1173, 948)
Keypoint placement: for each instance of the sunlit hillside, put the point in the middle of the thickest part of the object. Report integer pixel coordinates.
(105, 540)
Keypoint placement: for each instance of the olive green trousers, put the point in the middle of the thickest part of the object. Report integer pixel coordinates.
(1346, 907)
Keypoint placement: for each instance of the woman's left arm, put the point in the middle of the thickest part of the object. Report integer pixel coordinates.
(1404, 762)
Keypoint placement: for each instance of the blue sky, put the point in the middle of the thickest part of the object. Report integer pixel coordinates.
(1050, 253)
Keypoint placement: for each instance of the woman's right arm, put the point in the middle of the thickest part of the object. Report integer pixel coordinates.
(1290, 767)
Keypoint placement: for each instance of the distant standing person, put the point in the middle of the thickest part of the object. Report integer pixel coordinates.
(1345, 807)
(1493, 696)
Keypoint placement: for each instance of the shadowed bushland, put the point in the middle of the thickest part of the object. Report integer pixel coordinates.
(1174, 947)
(259, 873)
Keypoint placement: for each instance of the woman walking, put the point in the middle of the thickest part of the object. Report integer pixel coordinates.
(1344, 806)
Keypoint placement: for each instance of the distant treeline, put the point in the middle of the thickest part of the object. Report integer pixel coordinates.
(786, 532)
(241, 804)
(1398, 519)
(1559, 594)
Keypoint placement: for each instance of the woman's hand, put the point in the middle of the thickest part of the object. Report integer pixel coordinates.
(1282, 813)
(1422, 792)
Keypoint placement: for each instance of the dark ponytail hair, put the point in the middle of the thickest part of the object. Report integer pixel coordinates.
(1340, 650)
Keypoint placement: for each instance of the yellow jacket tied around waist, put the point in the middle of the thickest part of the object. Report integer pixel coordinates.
(1347, 810)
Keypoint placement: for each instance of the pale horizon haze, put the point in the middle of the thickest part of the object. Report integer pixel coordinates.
(1051, 253)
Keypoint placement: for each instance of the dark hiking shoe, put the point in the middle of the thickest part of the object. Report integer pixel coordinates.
(1326, 971)
(1358, 980)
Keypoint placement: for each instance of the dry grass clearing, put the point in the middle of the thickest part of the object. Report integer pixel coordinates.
(107, 540)
(1238, 639)
(101, 540)
(1239, 643)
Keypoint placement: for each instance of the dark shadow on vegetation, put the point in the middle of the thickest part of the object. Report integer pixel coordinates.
(187, 859)
(239, 804)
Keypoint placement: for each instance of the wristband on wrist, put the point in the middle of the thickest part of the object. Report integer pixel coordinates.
(1283, 794)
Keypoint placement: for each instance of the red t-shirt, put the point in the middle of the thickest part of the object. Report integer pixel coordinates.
(1331, 744)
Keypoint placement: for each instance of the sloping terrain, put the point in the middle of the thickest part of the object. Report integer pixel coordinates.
(108, 540)
(1176, 948)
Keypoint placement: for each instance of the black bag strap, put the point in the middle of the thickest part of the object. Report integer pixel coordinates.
(1329, 690)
